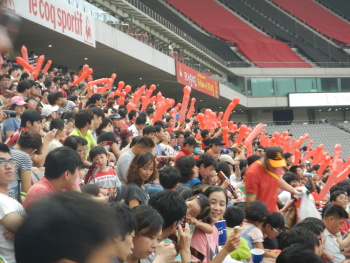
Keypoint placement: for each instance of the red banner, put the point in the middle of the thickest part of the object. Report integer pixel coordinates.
(196, 80)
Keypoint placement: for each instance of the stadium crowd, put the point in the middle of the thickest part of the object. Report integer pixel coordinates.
(85, 177)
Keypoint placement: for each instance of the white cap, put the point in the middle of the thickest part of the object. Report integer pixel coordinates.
(48, 109)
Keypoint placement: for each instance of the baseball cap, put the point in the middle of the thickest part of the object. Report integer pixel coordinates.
(17, 100)
(48, 109)
(216, 141)
(191, 141)
(115, 116)
(275, 156)
(226, 158)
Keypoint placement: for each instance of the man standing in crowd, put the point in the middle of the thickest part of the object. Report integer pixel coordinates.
(262, 179)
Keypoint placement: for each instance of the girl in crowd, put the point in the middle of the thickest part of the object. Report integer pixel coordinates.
(188, 170)
(60, 134)
(12, 124)
(148, 235)
(207, 244)
(198, 208)
(142, 169)
(256, 213)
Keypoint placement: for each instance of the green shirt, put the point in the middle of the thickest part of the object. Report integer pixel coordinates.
(243, 251)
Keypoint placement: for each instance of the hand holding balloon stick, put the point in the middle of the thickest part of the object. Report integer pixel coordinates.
(242, 133)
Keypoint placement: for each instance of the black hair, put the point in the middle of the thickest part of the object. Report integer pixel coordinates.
(122, 112)
(30, 140)
(159, 123)
(204, 204)
(140, 120)
(315, 228)
(275, 220)
(242, 164)
(132, 114)
(204, 133)
(178, 133)
(335, 194)
(148, 218)
(294, 168)
(215, 188)
(57, 124)
(289, 177)
(150, 111)
(60, 160)
(58, 215)
(92, 100)
(234, 216)
(98, 112)
(73, 98)
(314, 221)
(103, 125)
(23, 85)
(158, 128)
(4, 148)
(125, 216)
(298, 252)
(68, 115)
(148, 129)
(207, 160)
(24, 76)
(336, 188)
(223, 167)
(185, 166)
(335, 211)
(83, 118)
(145, 142)
(56, 95)
(31, 116)
(300, 235)
(73, 142)
(287, 155)
(169, 177)
(170, 213)
(198, 187)
(256, 211)
(251, 159)
(96, 151)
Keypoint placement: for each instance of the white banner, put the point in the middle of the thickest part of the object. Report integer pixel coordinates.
(56, 15)
(319, 99)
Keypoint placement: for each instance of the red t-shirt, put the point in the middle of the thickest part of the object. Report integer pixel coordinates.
(262, 184)
(37, 191)
(181, 153)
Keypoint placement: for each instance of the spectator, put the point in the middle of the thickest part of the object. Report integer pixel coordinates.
(189, 147)
(11, 212)
(61, 171)
(141, 144)
(142, 169)
(12, 124)
(169, 178)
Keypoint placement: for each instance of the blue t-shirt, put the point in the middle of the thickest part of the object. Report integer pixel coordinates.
(11, 124)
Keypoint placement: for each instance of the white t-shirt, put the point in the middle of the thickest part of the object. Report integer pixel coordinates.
(7, 206)
(54, 144)
(133, 130)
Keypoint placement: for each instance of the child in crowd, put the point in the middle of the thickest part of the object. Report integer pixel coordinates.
(104, 176)
(234, 217)
(198, 208)
(169, 178)
(256, 213)
(142, 169)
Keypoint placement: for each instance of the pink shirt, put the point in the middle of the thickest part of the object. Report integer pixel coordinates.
(37, 191)
(207, 244)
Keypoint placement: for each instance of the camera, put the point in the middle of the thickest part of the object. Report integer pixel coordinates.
(11, 113)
